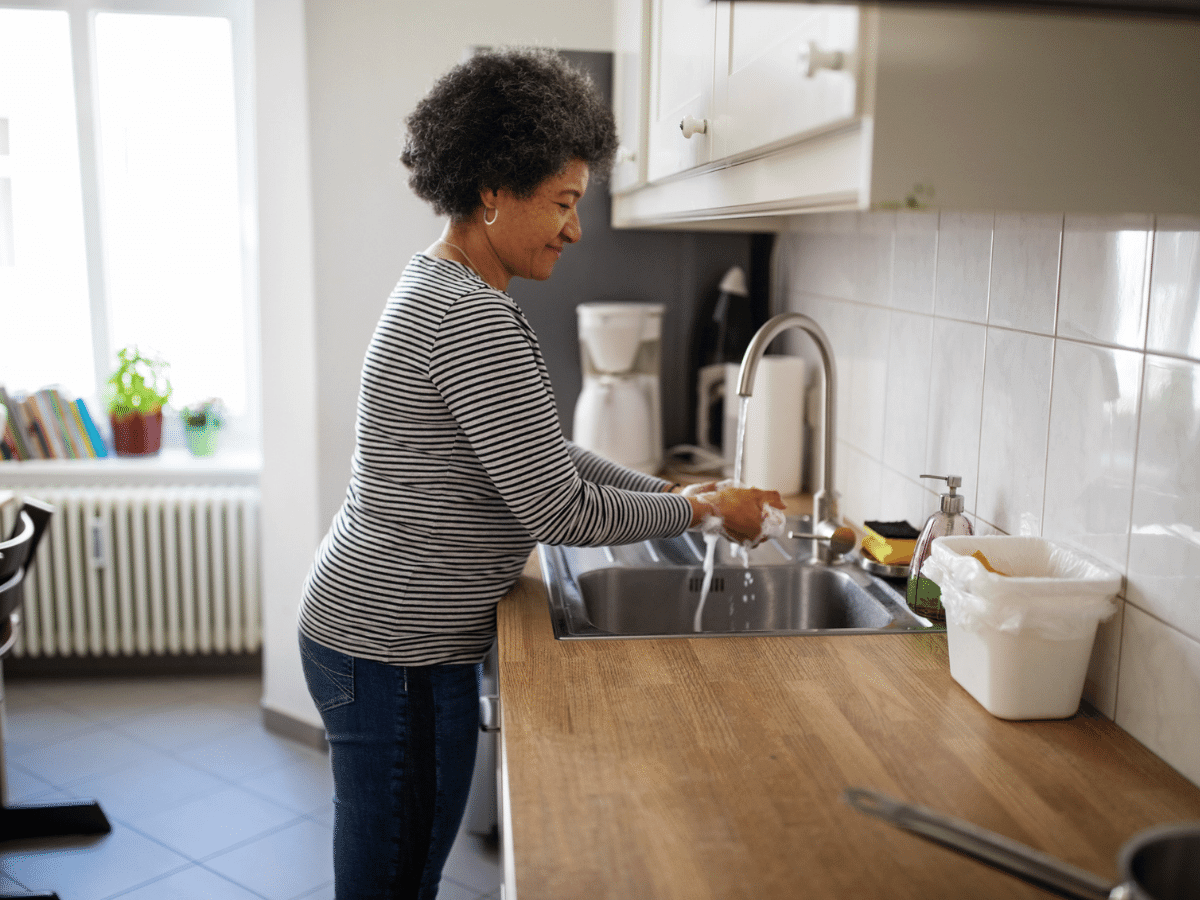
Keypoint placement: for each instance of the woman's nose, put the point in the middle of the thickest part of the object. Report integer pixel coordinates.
(572, 230)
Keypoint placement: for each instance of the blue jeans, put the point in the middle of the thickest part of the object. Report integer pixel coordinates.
(402, 746)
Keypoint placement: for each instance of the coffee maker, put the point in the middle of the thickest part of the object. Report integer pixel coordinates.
(618, 413)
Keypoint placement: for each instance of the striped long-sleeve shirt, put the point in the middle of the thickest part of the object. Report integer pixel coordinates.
(459, 469)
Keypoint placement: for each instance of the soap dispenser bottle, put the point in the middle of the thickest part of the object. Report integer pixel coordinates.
(925, 597)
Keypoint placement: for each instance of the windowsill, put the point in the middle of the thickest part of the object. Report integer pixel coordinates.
(172, 465)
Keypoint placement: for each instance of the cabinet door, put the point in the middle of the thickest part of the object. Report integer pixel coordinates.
(683, 34)
(786, 70)
(630, 90)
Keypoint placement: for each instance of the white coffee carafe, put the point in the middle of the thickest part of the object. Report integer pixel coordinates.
(618, 411)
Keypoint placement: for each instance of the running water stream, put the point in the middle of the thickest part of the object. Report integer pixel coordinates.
(711, 537)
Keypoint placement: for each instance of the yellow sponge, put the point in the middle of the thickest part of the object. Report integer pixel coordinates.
(889, 551)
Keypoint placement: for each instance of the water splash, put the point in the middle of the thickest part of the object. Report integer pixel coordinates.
(710, 538)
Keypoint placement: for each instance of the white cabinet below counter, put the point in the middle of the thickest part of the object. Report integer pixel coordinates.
(796, 108)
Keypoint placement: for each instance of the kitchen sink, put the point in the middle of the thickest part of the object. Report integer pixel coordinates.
(652, 590)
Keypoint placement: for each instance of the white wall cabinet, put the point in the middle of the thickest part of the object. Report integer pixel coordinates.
(631, 72)
(782, 70)
(808, 108)
(681, 85)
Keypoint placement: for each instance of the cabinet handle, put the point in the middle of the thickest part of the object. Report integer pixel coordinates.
(691, 126)
(625, 155)
(812, 59)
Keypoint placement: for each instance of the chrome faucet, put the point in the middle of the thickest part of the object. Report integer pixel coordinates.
(825, 502)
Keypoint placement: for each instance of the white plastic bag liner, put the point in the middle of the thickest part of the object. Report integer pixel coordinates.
(1048, 590)
(1020, 643)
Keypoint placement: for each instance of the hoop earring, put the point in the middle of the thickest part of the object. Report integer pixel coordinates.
(494, 218)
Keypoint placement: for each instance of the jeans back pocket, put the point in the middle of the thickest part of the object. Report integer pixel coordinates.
(328, 674)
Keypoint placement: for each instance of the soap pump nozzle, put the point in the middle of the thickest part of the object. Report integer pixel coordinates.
(952, 503)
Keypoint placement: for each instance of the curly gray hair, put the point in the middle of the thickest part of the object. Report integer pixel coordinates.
(504, 119)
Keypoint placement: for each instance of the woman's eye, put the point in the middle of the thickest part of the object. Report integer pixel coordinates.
(564, 206)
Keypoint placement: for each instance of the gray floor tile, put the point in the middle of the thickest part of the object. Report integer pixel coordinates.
(193, 883)
(324, 815)
(112, 699)
(11, 887)
(451, 890)
(283, 865)
(324, 892)
(473, 863)
(178, 727)
(41, 725)
(93, 868)
(215, 822)
(239, 689)
(305, 785)
(24, 786)
(80, 756)
(244, 752)
(158, 783)
(180, 766)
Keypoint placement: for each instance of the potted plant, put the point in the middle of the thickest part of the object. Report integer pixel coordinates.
(136, 393)
(201, 424)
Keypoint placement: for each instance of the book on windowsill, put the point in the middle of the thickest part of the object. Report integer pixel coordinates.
(15, 422)
(50, 424)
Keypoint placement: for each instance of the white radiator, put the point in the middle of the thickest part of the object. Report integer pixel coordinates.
(140, 571)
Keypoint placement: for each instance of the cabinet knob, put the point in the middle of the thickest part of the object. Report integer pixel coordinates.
(626, 155)
(812, 59)
(692, 126)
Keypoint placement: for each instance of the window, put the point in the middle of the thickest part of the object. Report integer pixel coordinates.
(126, 196)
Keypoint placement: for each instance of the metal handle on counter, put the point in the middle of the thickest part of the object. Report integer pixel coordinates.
(987, 847)
(489, 713)
(841, 541)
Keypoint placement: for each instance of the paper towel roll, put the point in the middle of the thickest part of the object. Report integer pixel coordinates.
(773, 456)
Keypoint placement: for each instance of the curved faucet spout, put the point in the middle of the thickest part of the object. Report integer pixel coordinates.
(825, 502)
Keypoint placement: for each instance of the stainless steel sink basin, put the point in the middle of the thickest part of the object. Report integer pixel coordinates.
(652, 589)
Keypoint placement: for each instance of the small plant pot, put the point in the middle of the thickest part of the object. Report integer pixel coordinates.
(137, 434)
(202, 439)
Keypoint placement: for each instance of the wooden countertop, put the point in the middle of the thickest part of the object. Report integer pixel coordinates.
(713, 768)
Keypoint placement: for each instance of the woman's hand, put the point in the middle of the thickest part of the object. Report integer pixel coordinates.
(741, 509)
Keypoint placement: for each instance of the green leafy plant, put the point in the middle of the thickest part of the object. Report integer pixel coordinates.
(205, 413)
(139, 385)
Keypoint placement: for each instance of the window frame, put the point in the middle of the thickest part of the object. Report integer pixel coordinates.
(243, 432)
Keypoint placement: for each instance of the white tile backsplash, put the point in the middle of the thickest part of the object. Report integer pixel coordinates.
(956, 381)
(1103, 289)
(906, 411)
(872, 257)
(1012, 437)
(1159, 691)
(1091, 447)
(1024, 272)
(1164, 551)
(914, 261)
(1036, 386)
(964, 257)
(1175, 288)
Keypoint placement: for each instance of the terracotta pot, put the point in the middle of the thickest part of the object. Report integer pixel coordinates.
(136, 434)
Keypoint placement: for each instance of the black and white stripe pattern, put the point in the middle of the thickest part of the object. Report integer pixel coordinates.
(459, 468)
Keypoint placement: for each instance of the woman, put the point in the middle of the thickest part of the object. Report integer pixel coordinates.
(460, 467)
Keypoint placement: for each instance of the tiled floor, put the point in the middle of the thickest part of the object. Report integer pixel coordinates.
(205, 804)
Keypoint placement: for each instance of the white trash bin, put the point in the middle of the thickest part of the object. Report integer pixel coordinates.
(1020, 642)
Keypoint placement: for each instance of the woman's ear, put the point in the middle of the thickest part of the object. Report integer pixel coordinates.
(489, 197)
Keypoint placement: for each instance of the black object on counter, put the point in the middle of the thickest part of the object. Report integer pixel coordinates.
(900, 531)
